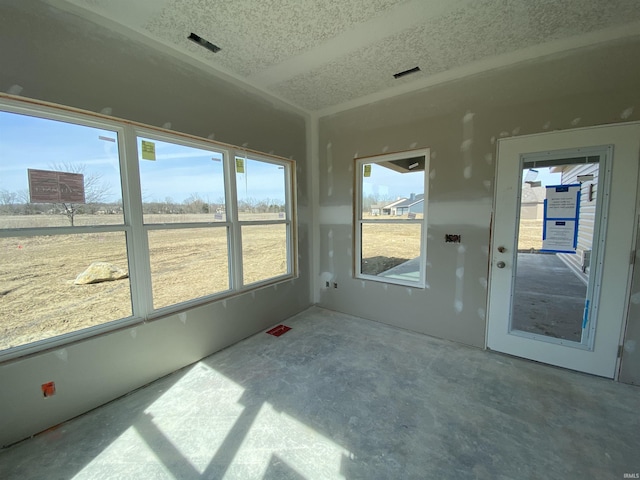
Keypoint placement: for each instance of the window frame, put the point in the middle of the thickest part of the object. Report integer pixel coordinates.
(49, 112)
(359, 221)
(291, 244)
(145, 228)
(135, 229)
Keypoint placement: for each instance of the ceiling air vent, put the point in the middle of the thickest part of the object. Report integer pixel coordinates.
(205, 43)
(406, 72)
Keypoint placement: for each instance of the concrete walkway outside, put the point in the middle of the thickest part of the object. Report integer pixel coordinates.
(548, 297)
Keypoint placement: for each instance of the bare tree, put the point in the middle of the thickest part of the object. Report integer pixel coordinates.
(8, 200)
(24, 198)
(95, 189)
(196, 204)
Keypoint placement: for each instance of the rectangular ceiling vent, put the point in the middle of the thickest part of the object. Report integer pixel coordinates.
(205, 43)
(406, 72)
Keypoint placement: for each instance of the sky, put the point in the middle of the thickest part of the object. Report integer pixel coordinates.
(384, 183)
(178, 172)
(543, 175)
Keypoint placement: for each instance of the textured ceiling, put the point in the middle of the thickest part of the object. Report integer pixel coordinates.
(327, 55)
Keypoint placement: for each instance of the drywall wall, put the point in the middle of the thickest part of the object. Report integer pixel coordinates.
(460, 122)
(54, 56)
(630, 365)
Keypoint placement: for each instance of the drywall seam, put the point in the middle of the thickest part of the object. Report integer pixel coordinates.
(313, 184)
(549, 49)
(158, 44)
(392, 22)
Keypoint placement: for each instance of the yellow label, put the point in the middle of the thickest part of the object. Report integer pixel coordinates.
(240, 165)
(367, 170)
(148, 150)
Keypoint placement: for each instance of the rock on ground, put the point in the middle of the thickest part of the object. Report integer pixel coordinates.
(100, 272)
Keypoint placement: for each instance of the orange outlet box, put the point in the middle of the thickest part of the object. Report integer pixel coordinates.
(49, 389)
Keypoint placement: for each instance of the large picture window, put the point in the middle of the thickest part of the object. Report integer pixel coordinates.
(61, 215)
(390, 214)
(97, 232)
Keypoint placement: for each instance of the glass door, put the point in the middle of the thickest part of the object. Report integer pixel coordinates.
(555, 268)
(564, 202)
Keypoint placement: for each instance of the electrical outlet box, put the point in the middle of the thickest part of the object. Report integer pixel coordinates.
(452, 238)
(48, 389)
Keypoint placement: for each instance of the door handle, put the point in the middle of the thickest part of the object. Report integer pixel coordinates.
(500, 264)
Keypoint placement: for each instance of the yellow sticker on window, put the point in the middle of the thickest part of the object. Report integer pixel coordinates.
(240, 165)
(148, 150)
(367, 170)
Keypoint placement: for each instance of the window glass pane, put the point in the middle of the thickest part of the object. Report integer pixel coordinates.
(38, 296)
(393, 189)
(261, 190)
(188, 263)
(264, 252)
(391, 251)
(180, 184)
(54, 173)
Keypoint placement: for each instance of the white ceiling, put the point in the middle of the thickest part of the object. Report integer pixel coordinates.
(327, 55)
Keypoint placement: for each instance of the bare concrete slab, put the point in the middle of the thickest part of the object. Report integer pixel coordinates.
(342, 397)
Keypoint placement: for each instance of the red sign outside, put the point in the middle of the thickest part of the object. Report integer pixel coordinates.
(47, 186)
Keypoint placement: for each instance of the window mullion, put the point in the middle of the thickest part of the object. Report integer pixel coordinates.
(137, 243)
(235, 233)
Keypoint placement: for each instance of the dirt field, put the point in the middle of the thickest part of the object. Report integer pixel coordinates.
(38, 298)
(386, 245)
(530, 235)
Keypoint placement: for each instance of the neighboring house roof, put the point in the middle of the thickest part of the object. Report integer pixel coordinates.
(394, 204)
(408, 202)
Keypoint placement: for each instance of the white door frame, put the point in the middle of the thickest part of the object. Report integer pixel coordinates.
(602, 358)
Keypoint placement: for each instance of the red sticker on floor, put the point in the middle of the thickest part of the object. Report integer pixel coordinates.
(279, 330)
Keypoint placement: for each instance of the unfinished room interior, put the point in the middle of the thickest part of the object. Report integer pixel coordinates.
(318, 239)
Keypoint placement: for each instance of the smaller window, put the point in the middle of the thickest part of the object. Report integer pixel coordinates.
(185, 217)
(264, 214)
(391, 207)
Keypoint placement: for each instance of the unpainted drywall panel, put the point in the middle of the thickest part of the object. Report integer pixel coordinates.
(92, 372)
(460, 122)
(630, 365)
(65, 60)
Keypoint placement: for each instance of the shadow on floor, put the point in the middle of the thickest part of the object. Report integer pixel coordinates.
(342, 397)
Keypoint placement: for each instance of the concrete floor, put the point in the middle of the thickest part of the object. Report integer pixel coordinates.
(342, 397)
